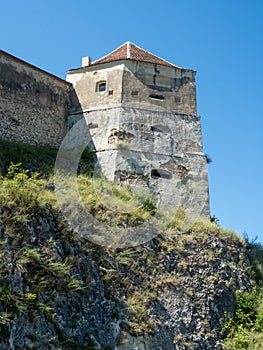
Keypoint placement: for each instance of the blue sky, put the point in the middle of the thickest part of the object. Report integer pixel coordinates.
(222, 40)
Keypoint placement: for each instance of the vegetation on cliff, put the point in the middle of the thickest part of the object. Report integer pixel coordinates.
(60, 291)
(245, 329)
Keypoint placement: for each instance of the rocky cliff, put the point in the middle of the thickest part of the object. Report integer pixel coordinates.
(59, 291)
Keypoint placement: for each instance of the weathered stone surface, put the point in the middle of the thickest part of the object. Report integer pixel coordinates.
(142, 118)
(155, 105)
(33, 104)
(133, 82)
(193, 279)
(163, 148)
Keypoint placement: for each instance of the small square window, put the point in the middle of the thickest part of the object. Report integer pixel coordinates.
(101, 86)
(177, 99)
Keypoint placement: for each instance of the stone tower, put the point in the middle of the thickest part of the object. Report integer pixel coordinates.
(141, 113)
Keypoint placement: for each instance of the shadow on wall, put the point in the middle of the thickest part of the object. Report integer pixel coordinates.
(76, 125)
(34, 103)
(74, 104)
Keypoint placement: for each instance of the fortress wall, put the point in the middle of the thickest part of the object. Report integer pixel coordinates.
(86, 80)
(158, 151)
(150, 130)
(169, 88)
(33, 103)
(137, 83)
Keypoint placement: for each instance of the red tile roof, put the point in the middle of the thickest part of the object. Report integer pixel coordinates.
(129, 51)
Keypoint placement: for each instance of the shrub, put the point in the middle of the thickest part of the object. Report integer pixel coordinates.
(245, 329)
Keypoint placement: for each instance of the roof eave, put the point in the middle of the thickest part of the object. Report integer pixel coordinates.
(94, 64)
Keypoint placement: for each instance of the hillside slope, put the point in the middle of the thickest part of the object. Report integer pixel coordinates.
(60, 291)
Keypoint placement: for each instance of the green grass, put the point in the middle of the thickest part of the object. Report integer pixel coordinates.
(24, 199)
(113, 204)
(245, 329)
(255, 255)
(139, 273)
(39, 159)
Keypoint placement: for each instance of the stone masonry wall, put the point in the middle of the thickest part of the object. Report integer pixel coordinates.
(157, 151)
(145, 129)
(33, 103)
(134, 83)
(168, 88)
(85, 82)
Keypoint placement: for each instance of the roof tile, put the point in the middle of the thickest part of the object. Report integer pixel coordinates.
(130, 51)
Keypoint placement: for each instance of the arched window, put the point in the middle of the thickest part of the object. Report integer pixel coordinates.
(101, 86)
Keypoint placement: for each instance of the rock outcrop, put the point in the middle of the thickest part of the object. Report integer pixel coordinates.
(59, 291)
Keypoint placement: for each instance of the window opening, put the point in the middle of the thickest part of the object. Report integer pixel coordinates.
(177, 99)
(101, 86)
(157, 97)
(160, 173)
